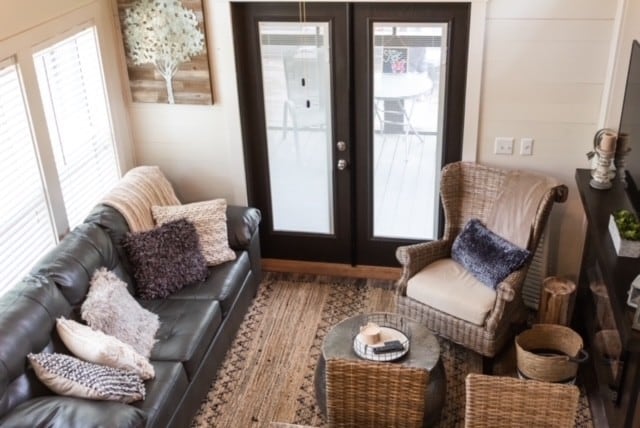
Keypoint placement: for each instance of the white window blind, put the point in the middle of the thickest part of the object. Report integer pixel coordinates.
(73, 94)
(26, 229)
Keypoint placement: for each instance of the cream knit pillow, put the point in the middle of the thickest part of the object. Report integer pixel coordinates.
(210, 220)
(96, 347)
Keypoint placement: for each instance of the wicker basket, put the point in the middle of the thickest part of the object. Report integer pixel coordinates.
(549, 352)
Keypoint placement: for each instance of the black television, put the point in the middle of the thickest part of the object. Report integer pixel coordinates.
(630, 126)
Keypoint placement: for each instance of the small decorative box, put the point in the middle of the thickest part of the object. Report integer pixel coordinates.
(624, 247)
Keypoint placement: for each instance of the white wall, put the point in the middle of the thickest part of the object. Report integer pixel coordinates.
(544, 74)
(544, 71)
(20, 15)
(629, 31)
(199, 147)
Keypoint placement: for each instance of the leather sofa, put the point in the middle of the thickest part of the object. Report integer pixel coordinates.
(198, 324)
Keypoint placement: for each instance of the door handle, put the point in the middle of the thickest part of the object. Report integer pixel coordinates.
(342, 164)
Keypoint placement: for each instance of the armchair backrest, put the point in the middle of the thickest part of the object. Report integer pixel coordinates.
(375, 394)
(497, 401)
(470, 190)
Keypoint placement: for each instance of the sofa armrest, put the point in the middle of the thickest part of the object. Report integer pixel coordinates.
(242, 224)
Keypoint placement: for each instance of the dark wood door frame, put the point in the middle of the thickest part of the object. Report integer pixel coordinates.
(284, 245)
(350, 26)
(381, 251)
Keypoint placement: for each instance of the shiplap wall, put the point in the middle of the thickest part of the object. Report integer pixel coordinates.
(630, 31)
(544, 73)
(545, 68)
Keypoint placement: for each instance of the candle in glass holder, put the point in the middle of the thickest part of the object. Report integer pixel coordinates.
(608, 142)
(370, 333)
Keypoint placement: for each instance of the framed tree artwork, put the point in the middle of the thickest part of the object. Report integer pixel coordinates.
(166, 51)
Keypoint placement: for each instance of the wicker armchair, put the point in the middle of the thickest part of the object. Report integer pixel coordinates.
(504, 402)
(469, 190)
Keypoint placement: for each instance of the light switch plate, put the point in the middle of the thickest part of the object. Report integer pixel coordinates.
(526, 146)
(504, 145)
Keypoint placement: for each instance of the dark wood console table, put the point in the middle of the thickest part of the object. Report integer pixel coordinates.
(613, 384)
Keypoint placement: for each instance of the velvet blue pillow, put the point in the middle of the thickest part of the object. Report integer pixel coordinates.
(488, 257)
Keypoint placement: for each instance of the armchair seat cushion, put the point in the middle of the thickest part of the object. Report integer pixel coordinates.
(448, 287)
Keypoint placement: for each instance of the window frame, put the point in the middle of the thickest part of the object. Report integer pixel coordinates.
(20, 50)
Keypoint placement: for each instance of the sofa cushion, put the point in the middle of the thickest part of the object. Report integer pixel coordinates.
(164, 393)
(187, 328)
(27, 314)
(96, 347)
(448, 287)
(72, 262)
(111, 309)
(210, 220)
(165, 259)
(70, 412)
(115, 225)
(67, 375)
(223, 283)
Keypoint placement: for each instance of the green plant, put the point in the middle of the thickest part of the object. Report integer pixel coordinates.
(628, 225)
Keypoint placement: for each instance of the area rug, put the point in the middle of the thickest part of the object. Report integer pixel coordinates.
(267, 374)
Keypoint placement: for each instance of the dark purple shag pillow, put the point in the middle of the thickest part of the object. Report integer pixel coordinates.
(488, 257)
(165, 259)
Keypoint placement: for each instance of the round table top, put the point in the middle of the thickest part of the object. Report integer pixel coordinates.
(401, 85)
(424, 349)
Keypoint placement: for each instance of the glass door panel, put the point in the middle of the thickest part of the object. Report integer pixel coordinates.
(295, 65)
(409, 65)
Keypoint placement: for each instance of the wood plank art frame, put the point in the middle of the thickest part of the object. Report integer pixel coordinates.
(192, 82)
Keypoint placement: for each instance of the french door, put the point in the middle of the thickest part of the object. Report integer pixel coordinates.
(349, 111)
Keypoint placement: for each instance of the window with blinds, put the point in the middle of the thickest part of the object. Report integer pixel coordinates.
(26, 229)
(73, 94)
(78, 160)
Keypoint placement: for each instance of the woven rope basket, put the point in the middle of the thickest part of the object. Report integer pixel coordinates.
(550, 353)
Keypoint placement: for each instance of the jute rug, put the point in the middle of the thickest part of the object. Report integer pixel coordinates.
(267, 375)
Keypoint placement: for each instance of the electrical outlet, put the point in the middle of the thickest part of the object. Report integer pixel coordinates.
(504, 146)
(526, 146)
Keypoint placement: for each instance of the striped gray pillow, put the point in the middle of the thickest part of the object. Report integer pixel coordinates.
(67, 375)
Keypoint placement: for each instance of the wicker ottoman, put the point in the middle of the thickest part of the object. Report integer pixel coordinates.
(352, 391)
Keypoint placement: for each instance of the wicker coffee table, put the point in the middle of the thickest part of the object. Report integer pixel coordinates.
(412, 387)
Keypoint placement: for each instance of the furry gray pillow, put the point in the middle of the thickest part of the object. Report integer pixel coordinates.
(110, 308)
(66, 375)
(165, 259)
(487, 256)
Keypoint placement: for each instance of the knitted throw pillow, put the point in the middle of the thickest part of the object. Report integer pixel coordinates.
(110, 308)
(487, 256)
(66, 375)
(96, 347)
(210, 220)
(165, 259)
